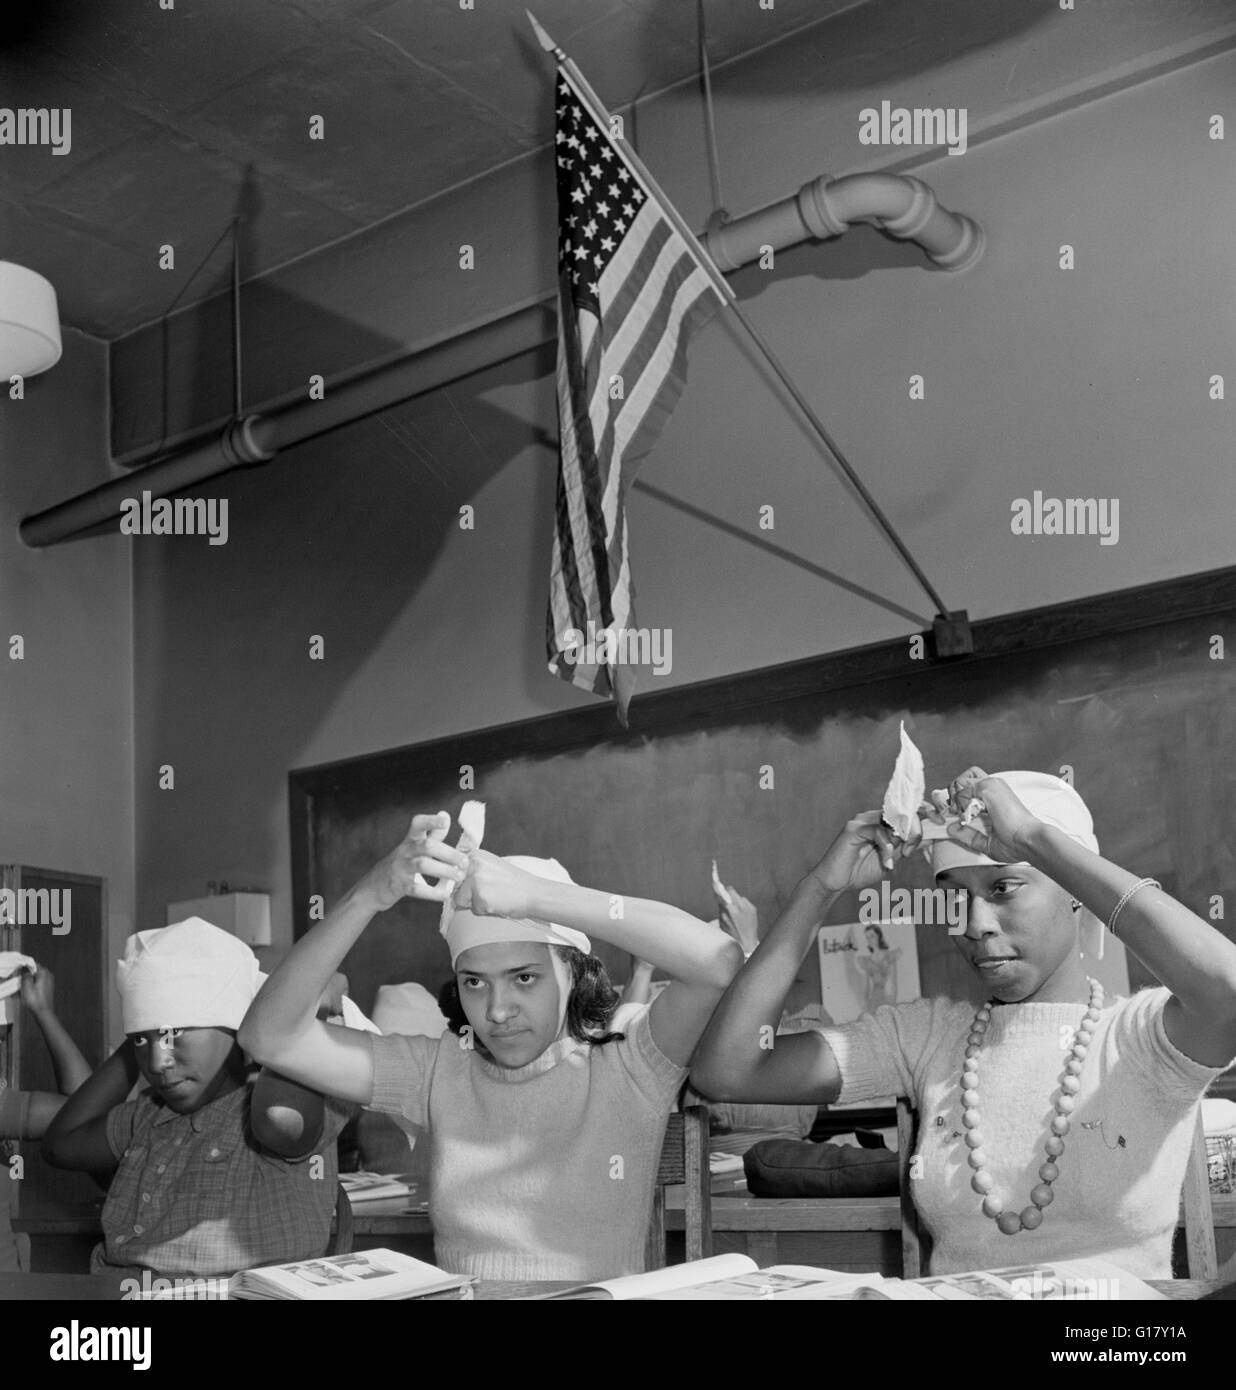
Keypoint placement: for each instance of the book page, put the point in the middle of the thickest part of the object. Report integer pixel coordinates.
(658, 1281)
(1092, 1280)
(360, 1275)
(372, 1187)
(837, 1286)
(779, 1282)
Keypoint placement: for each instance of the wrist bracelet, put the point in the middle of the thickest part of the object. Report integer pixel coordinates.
(1128, 893)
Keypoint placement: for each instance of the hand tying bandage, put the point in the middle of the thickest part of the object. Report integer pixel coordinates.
(464, 928)
(905, 808)
(471, 833)
(12, 964)
(938, 821)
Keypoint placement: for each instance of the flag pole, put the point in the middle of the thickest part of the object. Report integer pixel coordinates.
(727, 296)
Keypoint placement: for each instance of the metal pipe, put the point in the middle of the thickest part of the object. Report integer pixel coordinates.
(825, 207)
(238, 408)
(902, 206)
(258, 438)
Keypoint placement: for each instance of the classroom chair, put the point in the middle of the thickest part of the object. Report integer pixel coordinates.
(1197, 1211)
(684, 1159)
(915, 1243)
(761, 1221)
(341, 1227)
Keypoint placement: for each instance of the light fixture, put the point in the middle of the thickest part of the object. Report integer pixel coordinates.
(245, 915)
(29, 322)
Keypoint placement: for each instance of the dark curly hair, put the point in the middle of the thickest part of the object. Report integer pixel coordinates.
(590, 1007)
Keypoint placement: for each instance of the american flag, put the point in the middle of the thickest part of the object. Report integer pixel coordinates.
(630, 292)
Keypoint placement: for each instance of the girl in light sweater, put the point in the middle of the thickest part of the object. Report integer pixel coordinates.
(1053, 1124)
(545, 1127)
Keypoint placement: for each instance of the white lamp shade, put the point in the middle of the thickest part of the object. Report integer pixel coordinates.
(245, 915)
(29, 322)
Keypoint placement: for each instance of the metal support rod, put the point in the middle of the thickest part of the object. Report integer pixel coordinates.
(859, 486)
(237, 393)
(710, 127)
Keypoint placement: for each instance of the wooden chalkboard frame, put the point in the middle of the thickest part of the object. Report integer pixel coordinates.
(707, 704)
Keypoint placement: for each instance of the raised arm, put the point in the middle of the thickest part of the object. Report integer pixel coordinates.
(77, 1136)
(70, 1067)
(700, 959)
(39, 1108)
(740, 1056)
(638, 989)
(1196, 962)
(281, 1029)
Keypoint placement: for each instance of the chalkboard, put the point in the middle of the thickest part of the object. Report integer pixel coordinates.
(1131, 691)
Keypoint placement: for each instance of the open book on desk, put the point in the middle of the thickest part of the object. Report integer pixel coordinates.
(374, 1187)
(364, 1274)
(1055, 1280)
(725, 1277)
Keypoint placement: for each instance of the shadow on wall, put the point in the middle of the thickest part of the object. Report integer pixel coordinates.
(859, 251)
(334, 537)
(887, 41)
(177, 378)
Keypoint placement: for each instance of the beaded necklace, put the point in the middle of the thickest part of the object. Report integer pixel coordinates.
(1029, 1218)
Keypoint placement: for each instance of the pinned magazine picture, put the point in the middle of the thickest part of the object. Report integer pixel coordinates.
(864, 965)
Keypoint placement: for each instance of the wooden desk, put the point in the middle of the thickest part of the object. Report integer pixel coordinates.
(106, 1288)
(394, 1216)
(70, 1221)
(852, 1233)
(837, 1233)
(74, 1288)
(391, 1216)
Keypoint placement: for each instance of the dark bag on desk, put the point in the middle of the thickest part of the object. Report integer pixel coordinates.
(797, 1168)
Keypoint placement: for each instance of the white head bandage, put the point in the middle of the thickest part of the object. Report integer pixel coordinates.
(189, 975)
(1055, 803)
(464, 929)
(1049, 798)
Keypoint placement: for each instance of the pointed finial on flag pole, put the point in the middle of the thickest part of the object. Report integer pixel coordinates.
(543, 38)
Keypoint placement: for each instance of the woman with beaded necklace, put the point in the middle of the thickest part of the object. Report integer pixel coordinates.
(1051, 1114)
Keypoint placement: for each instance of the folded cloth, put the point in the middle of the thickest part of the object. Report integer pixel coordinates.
(188, 975)
(798, 1168)
(904, 794)
(353, 1018)
(408, 1008)
(1218, 1115)
(12, 963)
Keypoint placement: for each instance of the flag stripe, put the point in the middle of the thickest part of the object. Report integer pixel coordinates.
(630, 293)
